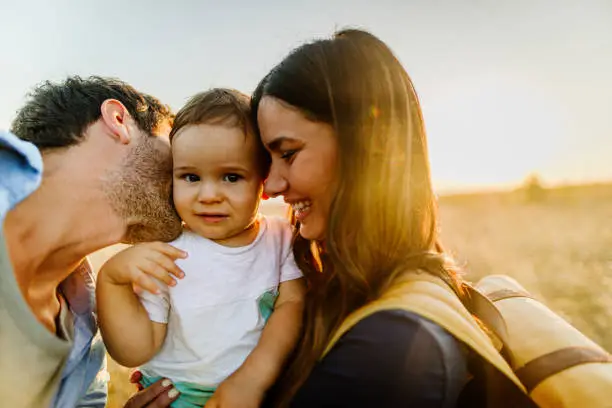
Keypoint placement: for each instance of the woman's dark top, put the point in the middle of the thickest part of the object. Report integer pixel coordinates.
(389, 359)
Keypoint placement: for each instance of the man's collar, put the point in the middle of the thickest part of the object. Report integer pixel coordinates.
(79, 289)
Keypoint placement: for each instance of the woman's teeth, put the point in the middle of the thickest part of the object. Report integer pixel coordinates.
(301, 207)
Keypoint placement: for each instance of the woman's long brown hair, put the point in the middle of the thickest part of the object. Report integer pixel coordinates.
(383, 219)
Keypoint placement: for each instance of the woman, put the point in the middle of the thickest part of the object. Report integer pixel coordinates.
(344, 128)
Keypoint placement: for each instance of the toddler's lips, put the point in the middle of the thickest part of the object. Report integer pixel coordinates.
(212, 217)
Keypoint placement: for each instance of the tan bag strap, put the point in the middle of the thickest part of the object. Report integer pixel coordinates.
(432, 299)
(539, 369)
(482, 307)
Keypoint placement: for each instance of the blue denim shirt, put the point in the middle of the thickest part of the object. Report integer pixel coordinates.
(84, 377)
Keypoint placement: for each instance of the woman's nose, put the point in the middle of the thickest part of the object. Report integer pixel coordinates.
(275, 184)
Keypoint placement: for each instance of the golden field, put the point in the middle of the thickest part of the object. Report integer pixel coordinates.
(557, 243)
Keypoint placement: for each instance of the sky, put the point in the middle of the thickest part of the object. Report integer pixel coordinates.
(508, 88)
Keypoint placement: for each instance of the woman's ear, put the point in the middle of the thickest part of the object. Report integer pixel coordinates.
(115, 116)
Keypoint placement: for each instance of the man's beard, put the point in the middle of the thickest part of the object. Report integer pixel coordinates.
(141, 193)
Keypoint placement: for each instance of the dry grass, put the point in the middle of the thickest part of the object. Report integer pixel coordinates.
(559, 248)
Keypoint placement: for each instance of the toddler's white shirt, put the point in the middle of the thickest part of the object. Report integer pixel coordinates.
(214, 314)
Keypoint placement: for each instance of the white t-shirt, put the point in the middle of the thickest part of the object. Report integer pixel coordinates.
(213, 313)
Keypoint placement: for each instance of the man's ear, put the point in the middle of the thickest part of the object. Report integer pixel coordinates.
(116, 117)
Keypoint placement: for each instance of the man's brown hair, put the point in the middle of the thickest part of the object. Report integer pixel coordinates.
(57, 114)
(226, 107)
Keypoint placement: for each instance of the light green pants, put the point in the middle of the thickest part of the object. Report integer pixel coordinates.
(191, 395)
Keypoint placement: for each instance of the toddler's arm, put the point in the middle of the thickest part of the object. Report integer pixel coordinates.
(279, 336)
(248, 385)
(130, 336)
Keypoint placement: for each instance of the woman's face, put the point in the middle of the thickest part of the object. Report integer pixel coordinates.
(304, 156)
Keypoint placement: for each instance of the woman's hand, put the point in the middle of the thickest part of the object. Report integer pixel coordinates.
(159, 395)
(139, 264)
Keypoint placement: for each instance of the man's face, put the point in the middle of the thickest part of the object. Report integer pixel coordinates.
(141, 190)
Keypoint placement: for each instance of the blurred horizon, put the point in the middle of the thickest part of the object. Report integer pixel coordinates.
(508, 89)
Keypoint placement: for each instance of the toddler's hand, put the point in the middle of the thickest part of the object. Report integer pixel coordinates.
(236, 392)
(139, 264)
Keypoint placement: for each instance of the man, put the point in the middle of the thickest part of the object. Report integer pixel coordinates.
(88, 165)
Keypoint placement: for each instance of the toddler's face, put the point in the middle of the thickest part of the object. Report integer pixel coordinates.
(217, 185)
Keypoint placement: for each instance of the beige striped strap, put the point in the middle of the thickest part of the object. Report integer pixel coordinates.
(543, 367)
(502, 294)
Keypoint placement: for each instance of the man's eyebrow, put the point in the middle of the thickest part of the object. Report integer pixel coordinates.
(275, 144)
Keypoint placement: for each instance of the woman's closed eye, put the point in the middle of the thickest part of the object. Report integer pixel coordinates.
(232, 177)
(288, 154)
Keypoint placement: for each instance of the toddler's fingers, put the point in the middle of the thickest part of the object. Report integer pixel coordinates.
(137, 289)
(169, 265)
(147, 283)
(152, 268)
(169, 250)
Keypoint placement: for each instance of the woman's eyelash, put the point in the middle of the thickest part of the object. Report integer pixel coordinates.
(288, 154)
